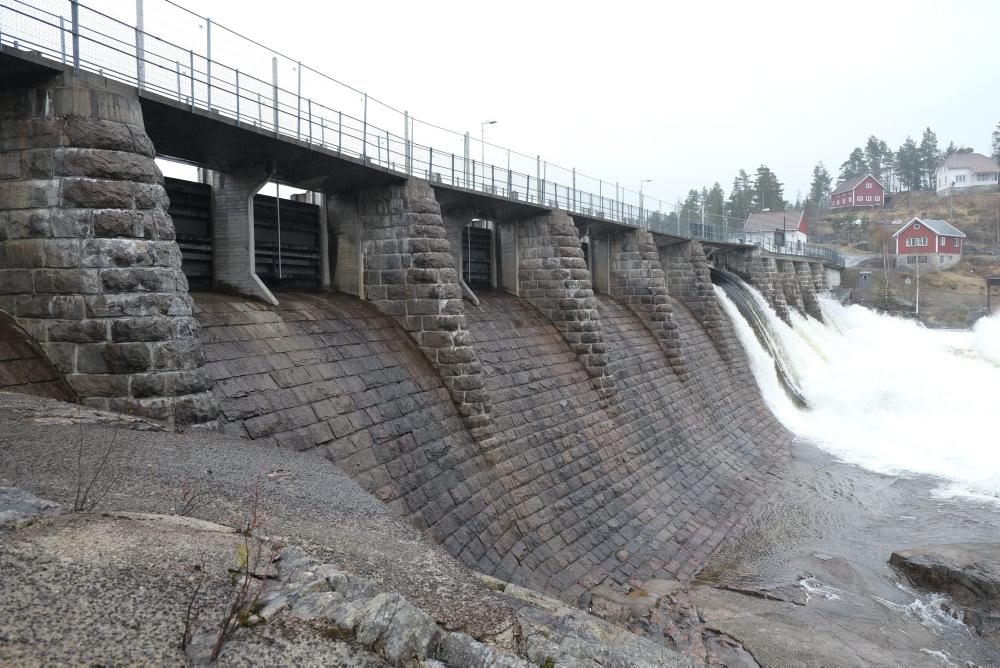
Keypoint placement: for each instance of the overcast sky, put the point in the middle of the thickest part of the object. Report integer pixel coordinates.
(682, 93)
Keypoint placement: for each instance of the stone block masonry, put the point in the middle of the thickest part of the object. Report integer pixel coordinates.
(24, 368)
(819, 276)
(689, 280)
(637, 280)
(89, 268)
(553, 277)
(775, 294)
(790, 285)
(576, 492)
(807, 288)
(410, 274)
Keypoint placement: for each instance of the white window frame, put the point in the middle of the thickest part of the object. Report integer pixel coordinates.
(868, 185)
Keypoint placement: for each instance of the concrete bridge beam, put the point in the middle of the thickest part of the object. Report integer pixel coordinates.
(233, 255)
(89, 267)
(343, 218)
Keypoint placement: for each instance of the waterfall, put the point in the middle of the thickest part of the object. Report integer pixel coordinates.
(754, 309)
(882, 392)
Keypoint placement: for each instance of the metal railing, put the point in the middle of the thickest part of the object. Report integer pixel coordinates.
(320, 111)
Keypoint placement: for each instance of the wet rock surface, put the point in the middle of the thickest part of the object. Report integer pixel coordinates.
(808, 582)
(968, 572)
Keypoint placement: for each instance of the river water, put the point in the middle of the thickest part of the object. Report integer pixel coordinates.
(897, 447)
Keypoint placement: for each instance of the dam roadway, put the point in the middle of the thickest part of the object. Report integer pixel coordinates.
(567, 409)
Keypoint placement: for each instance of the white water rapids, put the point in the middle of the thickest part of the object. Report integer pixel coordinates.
(888, 394)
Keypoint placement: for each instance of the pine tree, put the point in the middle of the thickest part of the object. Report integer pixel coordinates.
(877, 156)
(930, 156)
(741, 196)
(715, 202)
(820, 187)
(996, 143)
(909, 168)
(768, 192)
(854, 166)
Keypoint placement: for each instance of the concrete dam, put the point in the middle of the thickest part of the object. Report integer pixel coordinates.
(555, 396)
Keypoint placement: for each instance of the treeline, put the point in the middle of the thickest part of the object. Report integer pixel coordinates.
(911, 166)
(749, 193)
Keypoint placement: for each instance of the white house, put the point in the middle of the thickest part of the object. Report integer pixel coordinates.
(781, 231)
(967, 172)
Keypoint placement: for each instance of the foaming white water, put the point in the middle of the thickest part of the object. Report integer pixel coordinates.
(888, 394)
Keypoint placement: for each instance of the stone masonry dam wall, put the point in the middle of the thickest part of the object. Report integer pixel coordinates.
(553, 437)
(570, 493)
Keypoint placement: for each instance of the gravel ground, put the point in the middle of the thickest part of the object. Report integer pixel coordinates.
(307, 500)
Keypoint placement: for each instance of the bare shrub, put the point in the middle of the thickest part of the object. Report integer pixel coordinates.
(195, 494)
(94, 481)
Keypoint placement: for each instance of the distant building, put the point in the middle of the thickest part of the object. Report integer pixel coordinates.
(781, 231)
(965, 172)
(861, 192)
(929, 244)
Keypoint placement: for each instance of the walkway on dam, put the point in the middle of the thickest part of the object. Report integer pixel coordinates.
(200, 109)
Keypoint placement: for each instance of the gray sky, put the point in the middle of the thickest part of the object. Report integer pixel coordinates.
(680, 93)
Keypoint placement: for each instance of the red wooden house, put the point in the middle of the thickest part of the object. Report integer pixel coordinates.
(861, 192)
(928, 244)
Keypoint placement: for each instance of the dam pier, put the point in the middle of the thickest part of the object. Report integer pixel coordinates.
(538, 377)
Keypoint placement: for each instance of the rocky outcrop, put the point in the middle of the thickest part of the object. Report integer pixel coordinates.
(968, 572)
(88, 262)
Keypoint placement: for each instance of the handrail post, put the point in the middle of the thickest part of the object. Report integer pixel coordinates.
(364, 131)
(75, 19)
(340, 129)
(298, 103)
(62, 39)
(309, 106)
(191, 66)
(237, 98)
(274, 91)
(140, 45)
(208, 62)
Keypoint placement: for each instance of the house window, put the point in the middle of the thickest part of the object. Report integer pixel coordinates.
(942, 259)
(878, 198)
(911, 259)
(960, 178)
(868, 198)
(868, 185)
(916, 226)
(921, 259)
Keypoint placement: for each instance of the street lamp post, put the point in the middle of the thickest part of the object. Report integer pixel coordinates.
(642, 219)
(482, 141)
